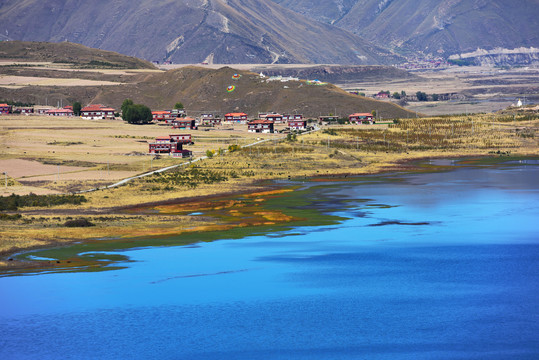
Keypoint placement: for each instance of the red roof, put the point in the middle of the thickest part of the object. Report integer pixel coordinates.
(260, 121)
(96, 107)
(361, 114)
(164, 112)
(163, 138)
(236, 114)
(4, 105)
(59, 111)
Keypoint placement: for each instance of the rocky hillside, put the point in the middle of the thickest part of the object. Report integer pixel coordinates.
(440, 27)
(189, 31)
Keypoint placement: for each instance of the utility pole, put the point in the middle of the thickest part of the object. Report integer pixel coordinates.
(5, 174)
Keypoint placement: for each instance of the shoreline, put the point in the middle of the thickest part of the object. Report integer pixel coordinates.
(7, 257)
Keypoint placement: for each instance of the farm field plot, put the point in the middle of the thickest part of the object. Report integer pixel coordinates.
(69, 154)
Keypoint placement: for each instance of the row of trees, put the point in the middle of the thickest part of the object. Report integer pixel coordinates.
(421, 96)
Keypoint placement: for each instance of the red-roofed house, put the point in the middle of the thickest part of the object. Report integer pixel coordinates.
(297, 124)
(292, 117)
(276, 118)
(361, 118)
(161, 115)
(260, 126)
(172, 144)
(59, 112)
(5, 109)
(98, 111)
(240, 118)
(184, 123)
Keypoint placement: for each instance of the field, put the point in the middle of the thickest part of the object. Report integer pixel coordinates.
(473, 89)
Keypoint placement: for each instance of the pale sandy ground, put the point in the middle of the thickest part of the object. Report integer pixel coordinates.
(44, 81)
(17, 168)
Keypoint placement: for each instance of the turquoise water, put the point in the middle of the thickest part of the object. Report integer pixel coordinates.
(431, 266)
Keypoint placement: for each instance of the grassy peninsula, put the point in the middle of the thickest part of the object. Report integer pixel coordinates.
(87, 154)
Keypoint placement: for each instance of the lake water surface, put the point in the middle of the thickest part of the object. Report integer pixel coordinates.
(437, 265)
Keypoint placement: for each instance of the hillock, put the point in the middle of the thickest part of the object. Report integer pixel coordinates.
(77, 55)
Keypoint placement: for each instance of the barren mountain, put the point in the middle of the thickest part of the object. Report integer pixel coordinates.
(189, 31)
(442, 27)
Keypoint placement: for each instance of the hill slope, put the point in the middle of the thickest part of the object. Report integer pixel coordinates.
(431, 26)
(206, 90)
(190, 31)
(78, 55)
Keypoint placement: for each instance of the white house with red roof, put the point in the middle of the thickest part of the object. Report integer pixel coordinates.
(361, 118)
(5, 108)
(239, 118)
(59, 112)
(260, 126)
(97, 112)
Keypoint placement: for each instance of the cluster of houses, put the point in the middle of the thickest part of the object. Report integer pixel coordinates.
(177, 118)
(90, 112)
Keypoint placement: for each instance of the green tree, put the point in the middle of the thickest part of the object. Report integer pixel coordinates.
(435, 97)
(178, 105)
(421, 96)
(76, 108)
(396, 95)
(125, 105)
(137, 114)
(403, 93)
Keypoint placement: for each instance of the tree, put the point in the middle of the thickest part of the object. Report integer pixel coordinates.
(178, 105)
(403, 93)
(76, 108)
(137, 114)
(421, 96)
(434, 97)
(125, 105)
(396, 95)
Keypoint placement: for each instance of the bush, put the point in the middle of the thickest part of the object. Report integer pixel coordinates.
(7, 217)
(232, 148)
(13, 202)
(78, 223)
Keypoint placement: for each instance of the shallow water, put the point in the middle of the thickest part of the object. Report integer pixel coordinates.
(436, 266)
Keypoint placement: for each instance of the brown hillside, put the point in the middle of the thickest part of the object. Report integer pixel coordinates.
(202, 89)
(68, 53)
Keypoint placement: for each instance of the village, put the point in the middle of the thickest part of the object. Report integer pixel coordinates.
(178, 119)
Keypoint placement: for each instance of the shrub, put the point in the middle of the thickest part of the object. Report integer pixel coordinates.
(78, 223)
(13, 202)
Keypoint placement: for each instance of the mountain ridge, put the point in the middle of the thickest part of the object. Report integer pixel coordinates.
(434, 27)
(190, 31)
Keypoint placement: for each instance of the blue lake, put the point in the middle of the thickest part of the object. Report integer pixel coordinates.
(437, 265)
